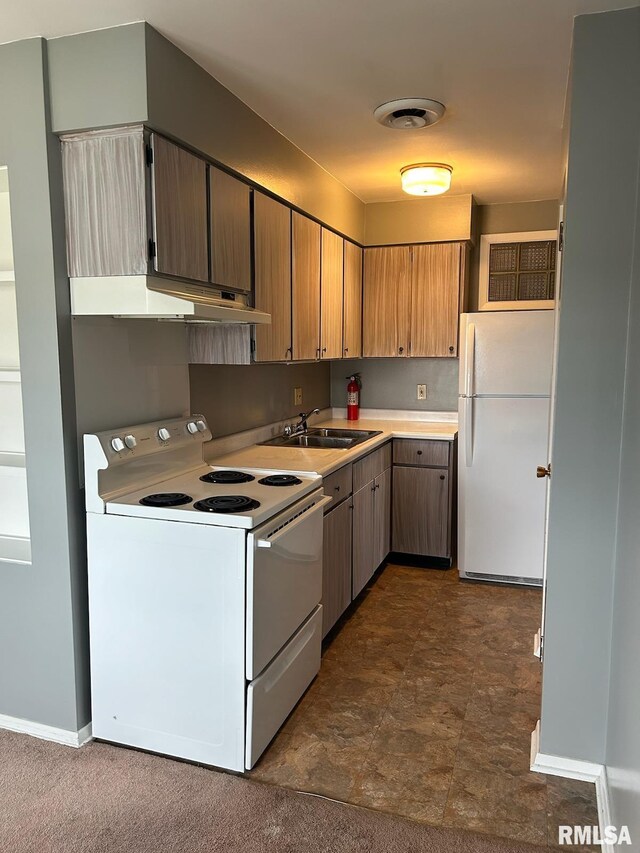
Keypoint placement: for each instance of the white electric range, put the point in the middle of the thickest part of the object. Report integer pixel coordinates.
(204, 594)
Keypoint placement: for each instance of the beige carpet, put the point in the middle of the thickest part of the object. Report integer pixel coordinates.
(101, 798)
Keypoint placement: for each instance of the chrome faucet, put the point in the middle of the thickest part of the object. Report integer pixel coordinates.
(301, 426)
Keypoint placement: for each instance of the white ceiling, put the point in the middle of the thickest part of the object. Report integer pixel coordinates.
(316, 69)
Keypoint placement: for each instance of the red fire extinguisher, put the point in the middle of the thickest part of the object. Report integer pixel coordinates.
(353, 397)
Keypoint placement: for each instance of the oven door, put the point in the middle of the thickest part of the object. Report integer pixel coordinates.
(284, 578)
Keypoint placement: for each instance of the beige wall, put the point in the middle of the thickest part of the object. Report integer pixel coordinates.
(419, 220)
(507, 218)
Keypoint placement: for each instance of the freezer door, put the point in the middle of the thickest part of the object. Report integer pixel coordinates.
(506, 353)
(501, 501)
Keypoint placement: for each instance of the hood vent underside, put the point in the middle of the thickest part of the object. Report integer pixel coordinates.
(158, 298)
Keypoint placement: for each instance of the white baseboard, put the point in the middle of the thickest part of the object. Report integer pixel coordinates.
(63, 736)
(570, 768)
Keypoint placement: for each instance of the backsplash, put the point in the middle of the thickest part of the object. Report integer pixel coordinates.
(234, 398)
(390, 383)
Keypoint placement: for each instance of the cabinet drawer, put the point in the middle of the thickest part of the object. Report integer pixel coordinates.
(371, 466)
(338, 486)
(430, 454)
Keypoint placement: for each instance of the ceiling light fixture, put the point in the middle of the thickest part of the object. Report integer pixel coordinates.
(426, 178)
(409, 113)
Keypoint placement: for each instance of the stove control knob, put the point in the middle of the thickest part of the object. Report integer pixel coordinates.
(164, 434)
(130, 441)
(201, 426)
(117, 444)
(192, 427)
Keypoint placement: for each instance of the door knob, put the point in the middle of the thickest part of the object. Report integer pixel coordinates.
(541, 471)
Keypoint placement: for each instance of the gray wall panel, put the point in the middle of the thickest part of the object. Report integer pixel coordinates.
(390, 383)
(239, 397)
(600, 223)
(43, 669)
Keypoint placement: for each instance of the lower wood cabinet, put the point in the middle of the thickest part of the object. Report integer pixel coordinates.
(371, 524)
(357, 530)
(423, 491)
(336, 574)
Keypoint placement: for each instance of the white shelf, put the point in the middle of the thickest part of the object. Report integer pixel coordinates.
(11, 459)
(7, 276)
(10, 374)
(15, 549)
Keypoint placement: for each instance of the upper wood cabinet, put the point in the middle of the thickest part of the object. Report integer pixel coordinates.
(352, 304)
(305, 287)
(412, 298)
(180, 217)
(386, 301)
(331, 295)
(230, 230)
(272, 259)
(435, 299)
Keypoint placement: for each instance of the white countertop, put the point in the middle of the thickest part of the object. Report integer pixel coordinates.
(324, 461)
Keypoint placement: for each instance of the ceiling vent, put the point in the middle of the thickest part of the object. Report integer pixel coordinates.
(409, 113)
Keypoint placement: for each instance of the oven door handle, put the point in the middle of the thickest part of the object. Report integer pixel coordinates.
(269, 543)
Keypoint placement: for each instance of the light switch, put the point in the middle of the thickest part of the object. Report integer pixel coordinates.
(297, 396)
(421, 392)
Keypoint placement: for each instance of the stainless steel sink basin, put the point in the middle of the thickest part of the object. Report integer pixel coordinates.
(318, 441)
(330, 439)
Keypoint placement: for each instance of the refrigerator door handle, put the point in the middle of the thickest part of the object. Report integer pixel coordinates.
(467, 405)
(470, 349)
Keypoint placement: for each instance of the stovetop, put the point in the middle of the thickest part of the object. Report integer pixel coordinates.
(217, 496)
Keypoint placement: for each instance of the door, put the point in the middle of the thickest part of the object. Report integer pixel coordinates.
(363, 538)
(506, 353)
(230, 227)
(421, 511)
(382, 517)
(352, 321)
(305, 287)
(180, 220)
(331, 290)
(501, 503)
(272, 253)
(336, 564)
(435, 299)
(386, 301)
(284, 578)
(552, 408)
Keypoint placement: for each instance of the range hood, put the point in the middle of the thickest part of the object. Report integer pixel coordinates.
(159, 298)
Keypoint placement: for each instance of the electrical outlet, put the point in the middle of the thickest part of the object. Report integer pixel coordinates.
(421, 392)
(297, 396)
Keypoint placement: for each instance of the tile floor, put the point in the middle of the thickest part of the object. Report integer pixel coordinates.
(424, 706)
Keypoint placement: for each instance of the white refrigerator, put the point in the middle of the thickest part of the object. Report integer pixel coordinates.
(505, 383)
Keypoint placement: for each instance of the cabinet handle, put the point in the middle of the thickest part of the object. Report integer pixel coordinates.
(419, 453)
(337, 488)
(324, 349)
(288, 352)
(346, 350)
(401, 349)
(318, 352)
(451, 349)
(442, 476)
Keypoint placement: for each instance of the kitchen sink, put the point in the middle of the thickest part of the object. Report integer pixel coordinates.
(329, 439)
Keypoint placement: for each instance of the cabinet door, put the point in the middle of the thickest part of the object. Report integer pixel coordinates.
(352, 324)
(435, 299)
(272, 248)
(382, 517)
(421, 511)
(332, 287)
(306, 287)
(230, 224)
(180, 221)
(336, 564)
(386, 298)
(363, 539)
